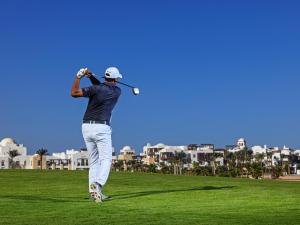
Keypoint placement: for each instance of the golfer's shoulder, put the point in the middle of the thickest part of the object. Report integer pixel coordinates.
(100, 86)
(96, 87)
(108, 88)
(118, 90)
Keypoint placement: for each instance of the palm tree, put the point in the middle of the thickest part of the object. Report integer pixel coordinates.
(178, 161)
(163, 168)
(137, 166)
(215, 155)
(152, 168)
(181, 158)
(259, 159)
(243, 159)
(174, 162)
(269, 161)
(41, 152)
(231, 160)
(131, 164)
(195, 168)
(118, 165)
(12, 154)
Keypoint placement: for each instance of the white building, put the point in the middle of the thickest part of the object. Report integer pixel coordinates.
(150, 153)
(69, 160)
(192, 155)
(276, 156)
(241, 145)
(79, 159)
(286, 151)
(296, 165)
(168, 152)
(7, 145)
(259, 149)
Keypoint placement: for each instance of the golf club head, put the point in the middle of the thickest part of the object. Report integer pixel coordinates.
(136, 91)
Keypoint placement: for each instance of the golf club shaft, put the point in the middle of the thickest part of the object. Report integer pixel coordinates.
(95, 76)
(125, 84)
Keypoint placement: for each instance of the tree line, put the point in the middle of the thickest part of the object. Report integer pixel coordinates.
(236, 164)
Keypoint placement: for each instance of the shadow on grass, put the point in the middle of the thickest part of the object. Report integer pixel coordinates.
(156, 192)
(36, 198)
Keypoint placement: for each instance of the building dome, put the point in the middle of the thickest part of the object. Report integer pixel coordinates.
(160, 145)
(7, 141)
(126, 148)
(241, 143)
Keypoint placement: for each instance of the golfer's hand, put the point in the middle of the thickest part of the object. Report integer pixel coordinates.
(81, 73)
(88, 73)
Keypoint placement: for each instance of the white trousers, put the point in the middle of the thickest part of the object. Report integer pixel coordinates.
(97, 138)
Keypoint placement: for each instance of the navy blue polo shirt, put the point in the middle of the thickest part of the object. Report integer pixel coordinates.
(102, 100)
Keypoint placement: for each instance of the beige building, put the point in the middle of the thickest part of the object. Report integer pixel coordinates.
(150, 153)
(35, 162)
(126, 154)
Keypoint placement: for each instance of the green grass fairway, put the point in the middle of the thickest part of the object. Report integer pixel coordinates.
(60, 197)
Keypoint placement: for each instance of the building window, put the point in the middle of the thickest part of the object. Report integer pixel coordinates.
(2, 163)
(39, 162)
(86, 162)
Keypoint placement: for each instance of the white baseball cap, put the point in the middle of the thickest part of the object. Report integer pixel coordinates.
(113, 73)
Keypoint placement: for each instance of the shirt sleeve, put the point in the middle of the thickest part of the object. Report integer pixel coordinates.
(120, 91)
(88, 91)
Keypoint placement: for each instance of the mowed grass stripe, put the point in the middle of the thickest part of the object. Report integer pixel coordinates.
(60, 197)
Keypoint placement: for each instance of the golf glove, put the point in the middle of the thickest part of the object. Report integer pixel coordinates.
(88, 73)
(81, 73)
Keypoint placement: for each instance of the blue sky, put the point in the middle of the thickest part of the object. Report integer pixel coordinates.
(209, 71)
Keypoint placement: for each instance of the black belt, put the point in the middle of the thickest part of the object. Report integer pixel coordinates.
(97, 122)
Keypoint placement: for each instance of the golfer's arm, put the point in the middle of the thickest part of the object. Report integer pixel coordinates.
(76, 91)
(94, 80)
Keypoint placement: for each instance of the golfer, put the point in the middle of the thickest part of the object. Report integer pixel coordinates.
(96, 128)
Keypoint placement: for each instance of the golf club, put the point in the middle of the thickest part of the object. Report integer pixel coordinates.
(135, 90)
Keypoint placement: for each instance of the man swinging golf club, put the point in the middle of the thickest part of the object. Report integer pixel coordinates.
(96, 128)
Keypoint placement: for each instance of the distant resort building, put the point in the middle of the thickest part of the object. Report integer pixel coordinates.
(127, 154)
(69, 160)
(193, 154)
(150, 153)
(168, 153)
(241, 144)
(259, 149)
(7, 145)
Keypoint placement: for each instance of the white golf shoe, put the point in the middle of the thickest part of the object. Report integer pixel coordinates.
(95, 194)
